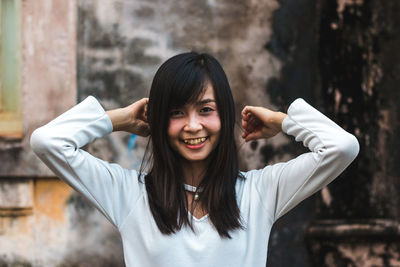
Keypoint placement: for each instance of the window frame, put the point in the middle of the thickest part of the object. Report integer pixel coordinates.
(11, 126)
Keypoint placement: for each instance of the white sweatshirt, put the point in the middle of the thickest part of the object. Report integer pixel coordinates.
(263, 197)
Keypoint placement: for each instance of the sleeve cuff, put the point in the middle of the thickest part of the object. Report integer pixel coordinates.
(93, 103)
(292, 107)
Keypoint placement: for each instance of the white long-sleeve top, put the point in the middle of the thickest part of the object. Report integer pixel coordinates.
(263, 196)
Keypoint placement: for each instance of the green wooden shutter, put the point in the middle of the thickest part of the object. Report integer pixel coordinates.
(10, 65)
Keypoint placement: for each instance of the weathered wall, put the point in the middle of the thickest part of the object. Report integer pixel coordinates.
(42, 221)
(122, 43)
(358, 215)
(48, 78)
(338, 55)
(294, 41)
(269, 50)
(60, 227)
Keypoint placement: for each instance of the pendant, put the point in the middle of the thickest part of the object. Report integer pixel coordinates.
(196, 196)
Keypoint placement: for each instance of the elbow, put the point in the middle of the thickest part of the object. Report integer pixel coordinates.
(40, 141)
(37, 141)
(349, 147)
(48, 145)
(353, 147)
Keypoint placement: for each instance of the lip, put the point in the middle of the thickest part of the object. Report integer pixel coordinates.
(195, 146)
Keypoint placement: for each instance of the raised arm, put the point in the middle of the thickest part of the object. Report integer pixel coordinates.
(283, 185)
(109, 187)
(131, 119)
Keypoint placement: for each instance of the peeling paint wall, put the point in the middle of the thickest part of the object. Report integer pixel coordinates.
(359, 63)
(122, 43)
(61, 230)
(48, 82)
(294, 41)
(42, 221)
(338, 55)
(269, 49)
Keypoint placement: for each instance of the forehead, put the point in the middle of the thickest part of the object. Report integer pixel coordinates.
(208, 93)
(206, 96)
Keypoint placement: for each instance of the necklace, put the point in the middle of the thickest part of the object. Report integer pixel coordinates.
(193, 189)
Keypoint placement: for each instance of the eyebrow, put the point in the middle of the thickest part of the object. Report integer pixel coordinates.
(204, 101)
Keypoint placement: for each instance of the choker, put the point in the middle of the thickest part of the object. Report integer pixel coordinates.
(193, 189)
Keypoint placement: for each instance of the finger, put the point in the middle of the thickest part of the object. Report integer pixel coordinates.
(244, 133)
(141, 108)
(252, 118)
(143, 101)
(247, 109)
(245, 112)
(146, 132)
(252, 124)
(244, 117)
(253, 136)
(145, 113)
(244, 124)
(143, 129)
(146, 109)
(140, 104)
(248, 121)
(259, 112)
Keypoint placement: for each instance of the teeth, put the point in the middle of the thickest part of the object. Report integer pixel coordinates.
(195, 141)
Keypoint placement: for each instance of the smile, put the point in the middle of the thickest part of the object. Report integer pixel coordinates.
(195, 141)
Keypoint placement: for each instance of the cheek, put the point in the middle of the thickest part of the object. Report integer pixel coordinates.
(173, 128)
(214, 124)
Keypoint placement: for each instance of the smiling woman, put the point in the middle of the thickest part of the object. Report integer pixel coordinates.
(190, 101)
(194, 207)
(193, 130)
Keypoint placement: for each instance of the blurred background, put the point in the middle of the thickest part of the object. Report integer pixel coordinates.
(341, 56)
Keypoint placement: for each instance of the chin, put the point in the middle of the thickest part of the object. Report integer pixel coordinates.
(194, 159)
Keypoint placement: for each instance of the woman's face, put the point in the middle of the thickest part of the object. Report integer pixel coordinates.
(193, 130)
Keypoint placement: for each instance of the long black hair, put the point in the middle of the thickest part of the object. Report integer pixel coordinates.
(179, 80)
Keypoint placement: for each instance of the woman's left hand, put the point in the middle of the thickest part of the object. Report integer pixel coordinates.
(259, 122)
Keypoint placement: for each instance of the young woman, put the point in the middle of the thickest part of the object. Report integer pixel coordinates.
(193, 207)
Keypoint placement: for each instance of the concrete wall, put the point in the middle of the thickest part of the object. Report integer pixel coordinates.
(122, 43)
(358, 216)
(42, 221)
(332, 53)
(338, 55)
(48, 81)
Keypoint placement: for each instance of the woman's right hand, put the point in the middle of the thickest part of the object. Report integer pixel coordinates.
(131, 119)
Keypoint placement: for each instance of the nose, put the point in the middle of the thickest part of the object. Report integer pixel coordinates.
(193, 123)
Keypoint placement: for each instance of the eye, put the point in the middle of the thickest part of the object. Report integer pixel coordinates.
(206, 110)
(175, 113)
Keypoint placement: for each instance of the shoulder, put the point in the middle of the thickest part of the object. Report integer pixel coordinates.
(247, 178)
(261, 179)
(255, 173)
